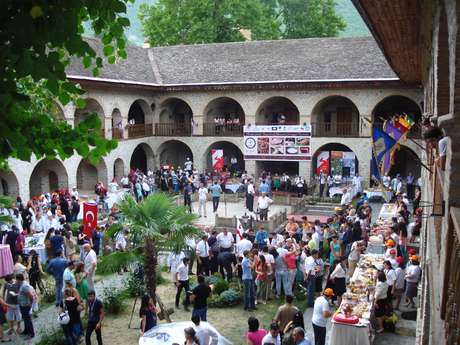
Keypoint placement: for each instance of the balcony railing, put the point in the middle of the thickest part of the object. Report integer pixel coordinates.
(173, 129)
(335, 129)
(117, 133)
(140, 130)
(214, 130)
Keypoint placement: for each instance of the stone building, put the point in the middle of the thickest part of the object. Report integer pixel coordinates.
(160, 104)
(420, 41)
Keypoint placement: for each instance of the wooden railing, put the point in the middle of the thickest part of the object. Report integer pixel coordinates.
(117, 133)
(450, 298)
(335, 129)
(215, 130)
(140, 130)
(172, 129)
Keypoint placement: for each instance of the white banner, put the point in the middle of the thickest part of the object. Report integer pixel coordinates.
(277, 142)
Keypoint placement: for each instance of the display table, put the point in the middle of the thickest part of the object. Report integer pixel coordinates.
(234, 187)
(378, 194)
(6, 261)
(342, 334)
(37, 243)
(388, 211)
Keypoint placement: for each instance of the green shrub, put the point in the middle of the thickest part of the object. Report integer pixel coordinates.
(49, 296)
(135, 285)
(212, 280)
(113, 300)
(220, 286)
(227, 298)
(74, 227)
(53, 336)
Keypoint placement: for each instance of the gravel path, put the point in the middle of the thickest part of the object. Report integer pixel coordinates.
(47, 318)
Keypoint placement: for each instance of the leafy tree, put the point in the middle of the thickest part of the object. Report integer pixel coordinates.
(310, 18)
(170, 22)
(156, 224)
(39, 39)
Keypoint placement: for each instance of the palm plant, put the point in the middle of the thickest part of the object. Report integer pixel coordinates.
(156, 224)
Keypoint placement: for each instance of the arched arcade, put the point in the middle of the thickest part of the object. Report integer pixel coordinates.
(174, 153)
(88, 175)
(142, 158)
(48, 176)
(277, 110)
(175, 118)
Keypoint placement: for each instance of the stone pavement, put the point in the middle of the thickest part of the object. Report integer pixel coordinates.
(229, 210)
(47, 318)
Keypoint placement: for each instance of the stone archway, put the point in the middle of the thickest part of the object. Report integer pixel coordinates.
(142, 158)
(174, 153)
(223, 116)
(118, 169)
(405, 161)
(92, 106)
(277, 110)
(48, 176)
(175, 118)
(88, 175)
(397, 105)
(140, 119)
(335, 159)
(335, 116)
(117, 124)
(9, 184)
(229, 150)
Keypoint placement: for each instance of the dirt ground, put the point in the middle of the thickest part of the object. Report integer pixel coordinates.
(231, 322)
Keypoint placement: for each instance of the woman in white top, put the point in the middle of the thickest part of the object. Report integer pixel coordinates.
(413, 275)
(390, 274)
(338, 277)
(380, 299)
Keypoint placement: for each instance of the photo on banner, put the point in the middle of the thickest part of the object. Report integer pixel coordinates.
(322, 163)
(217, 156)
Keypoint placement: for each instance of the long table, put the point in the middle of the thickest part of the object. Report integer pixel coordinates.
(361, 333)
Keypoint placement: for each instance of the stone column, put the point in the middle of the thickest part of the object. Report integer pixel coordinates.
(198, 125)
(305, 170)
(250, 167)
(69, 113)
(365, 128)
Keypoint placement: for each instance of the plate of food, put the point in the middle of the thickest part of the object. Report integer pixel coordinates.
(277, 150)
(292, 150)
(303, 141)
(304, 149)
(276, 141)
(289, 141)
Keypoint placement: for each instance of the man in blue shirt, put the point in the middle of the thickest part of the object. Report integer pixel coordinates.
(56, 268)
(56, 242)
(216, 190)
(264, 187)
(261, 237)
(247, 266)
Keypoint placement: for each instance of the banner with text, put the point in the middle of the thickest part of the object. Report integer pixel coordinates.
(277, 142)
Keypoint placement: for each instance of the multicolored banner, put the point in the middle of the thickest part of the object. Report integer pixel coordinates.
(322, 163)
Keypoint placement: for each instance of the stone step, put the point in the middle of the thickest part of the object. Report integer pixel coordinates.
(406, 327)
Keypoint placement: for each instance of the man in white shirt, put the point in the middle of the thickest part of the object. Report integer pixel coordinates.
(264, 203)
(202, 197)
(188, 165)
(310, 275)
(90, 261)
(321, 312)
(51, 221)
(225, 240)
(174, 260)
(272, 337)
(346, 197)
(182, 283)
(74, 193)
(250, 196)
(39, 224)
(243, 245)
(205, 334)
(202, 255)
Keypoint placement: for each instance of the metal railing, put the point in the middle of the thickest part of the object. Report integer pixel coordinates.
(215, 130)
(140, 130)
(172, 129)
(335, 129)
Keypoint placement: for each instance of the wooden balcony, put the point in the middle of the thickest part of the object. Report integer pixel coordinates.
(335, 129)
(139, 130)
(214, 130)
(117, 134)
(172, 129)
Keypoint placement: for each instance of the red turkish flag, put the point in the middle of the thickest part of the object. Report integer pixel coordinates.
(89, 218)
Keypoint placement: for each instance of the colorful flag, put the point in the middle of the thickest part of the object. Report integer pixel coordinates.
(239, 230)
(382, 143)
(89, 218)
(217, 157)
(375, 171)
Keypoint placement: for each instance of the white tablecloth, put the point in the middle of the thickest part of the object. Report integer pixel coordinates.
(233, 187)
(38, 246)
(379, 194)
(388, 211)
(349, 335)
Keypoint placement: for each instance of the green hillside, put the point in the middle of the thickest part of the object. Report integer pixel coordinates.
(355, 25)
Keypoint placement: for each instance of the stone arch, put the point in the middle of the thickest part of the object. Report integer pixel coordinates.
(92, 106)
(397, 105)
(335, 116)
(173, 153)
(272, 110)
(89, 174)
(336, 159)
(9, 184)
(140, 119)
(442, 91)
(405, 161)
(225, 107)
(48, 176)
(230, 150)
(117, 124)
(176, 118)
(142, 158)
(118, 169)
